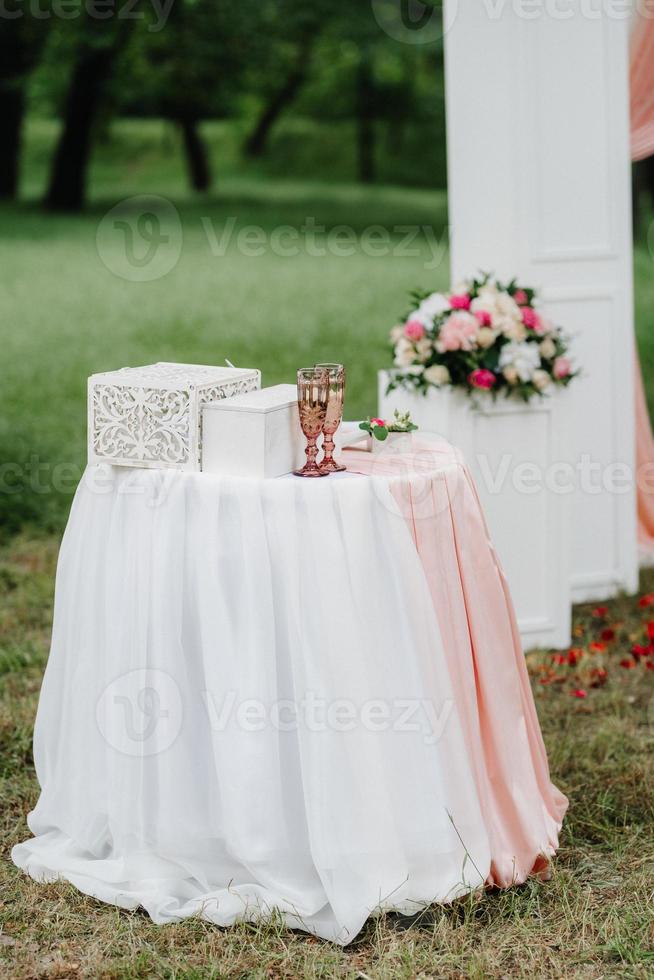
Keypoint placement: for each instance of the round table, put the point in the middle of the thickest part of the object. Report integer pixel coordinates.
(298, 695)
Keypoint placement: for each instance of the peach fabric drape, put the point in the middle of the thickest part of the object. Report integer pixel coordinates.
(642, 145)
(522, 809)
(644, 467)
(642, 85)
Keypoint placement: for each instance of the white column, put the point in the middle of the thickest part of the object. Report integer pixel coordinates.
(539, 187)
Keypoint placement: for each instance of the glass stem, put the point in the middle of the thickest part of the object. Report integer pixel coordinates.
(311, 451)
(328, 448)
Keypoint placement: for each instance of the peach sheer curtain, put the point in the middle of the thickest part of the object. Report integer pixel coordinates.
(642, 145)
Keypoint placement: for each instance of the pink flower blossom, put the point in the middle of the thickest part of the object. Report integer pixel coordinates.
(458, 332)
(532, 320)
(414, 330)
(460, 302)
(484, 318)
(377, 422)
(521, 297)
(562, 367)
(482, 378)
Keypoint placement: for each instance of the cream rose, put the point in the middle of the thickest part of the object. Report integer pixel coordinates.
(405, 353)
(547, 348)
(514, 330)
(437, 374)
(424, 349)
(541, 380)
(510, 374)
(486, 337)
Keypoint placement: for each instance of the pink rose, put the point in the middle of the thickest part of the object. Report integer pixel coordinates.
(521, 297)
(377, 422)
(484, 318)
(532, 320)
(458, 332)
(482, 378)
(414, 330)
(562, 367)
(460, 302)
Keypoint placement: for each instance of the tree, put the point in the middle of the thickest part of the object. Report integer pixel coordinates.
(21, 42)
(197, 65)
(100, 42)
(281, 97)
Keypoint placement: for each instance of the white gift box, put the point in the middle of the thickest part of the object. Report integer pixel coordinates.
(150, 416)
(513, 451)
(256, 434)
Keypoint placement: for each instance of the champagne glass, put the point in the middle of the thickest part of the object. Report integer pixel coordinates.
(312, 398)
(334, 415)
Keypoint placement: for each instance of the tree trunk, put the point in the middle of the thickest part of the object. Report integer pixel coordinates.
(365, 119)
(257, 141)
(91, 73)
(197, 158)
(12, 109)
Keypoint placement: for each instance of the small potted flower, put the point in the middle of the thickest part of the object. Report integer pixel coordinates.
(395, 435)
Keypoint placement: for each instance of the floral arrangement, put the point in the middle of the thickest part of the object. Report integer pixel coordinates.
(379, 428)
(483, 337)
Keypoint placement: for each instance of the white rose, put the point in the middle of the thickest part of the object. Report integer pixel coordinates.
(404, 353)
(547, 348)
(541, 380)
(396, 334)
(432, 307)
(437, 374)
(525, 358)
(486, 300)
(486, 337)
(422, 317)
(461, 287)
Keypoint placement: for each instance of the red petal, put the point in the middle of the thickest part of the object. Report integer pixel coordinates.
(579, 693)
(628, 664)
(600, 612)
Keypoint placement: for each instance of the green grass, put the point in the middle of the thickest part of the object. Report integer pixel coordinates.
(66, 315)
(592, 920)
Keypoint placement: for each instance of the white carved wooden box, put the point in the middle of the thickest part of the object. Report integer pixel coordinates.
(150, 416)
(256, 434)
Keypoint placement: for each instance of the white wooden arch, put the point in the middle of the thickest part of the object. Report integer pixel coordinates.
(540, 187)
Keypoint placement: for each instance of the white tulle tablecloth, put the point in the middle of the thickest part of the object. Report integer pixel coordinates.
(298, 695)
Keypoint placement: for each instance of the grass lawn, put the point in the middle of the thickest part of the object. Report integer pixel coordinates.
(592, 920)
(65, 315)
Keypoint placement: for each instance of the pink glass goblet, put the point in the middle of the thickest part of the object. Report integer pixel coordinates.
(334, 415)
(312, 398)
